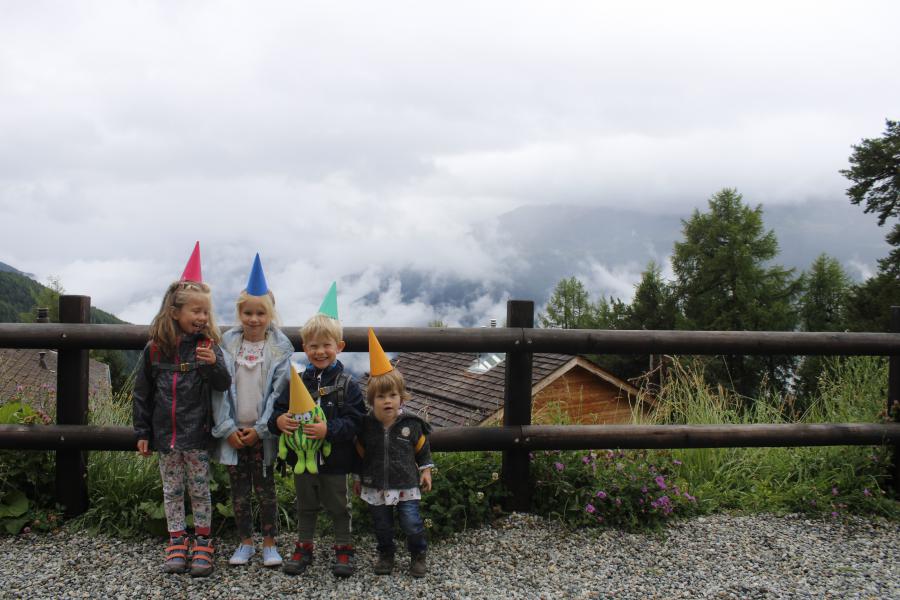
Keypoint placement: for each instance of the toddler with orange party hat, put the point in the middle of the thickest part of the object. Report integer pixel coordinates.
(181, 370)
(396, 463)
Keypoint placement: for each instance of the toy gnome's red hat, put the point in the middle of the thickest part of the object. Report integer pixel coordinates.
(192, 268)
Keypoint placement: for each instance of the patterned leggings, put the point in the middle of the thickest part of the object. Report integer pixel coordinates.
(249, 474)
(175, 466)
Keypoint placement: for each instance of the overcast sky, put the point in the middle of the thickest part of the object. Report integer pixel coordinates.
(351, 140)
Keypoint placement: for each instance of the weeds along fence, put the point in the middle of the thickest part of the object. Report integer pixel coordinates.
(71, 437)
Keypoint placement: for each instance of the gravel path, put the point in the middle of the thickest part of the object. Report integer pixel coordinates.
(759, 556)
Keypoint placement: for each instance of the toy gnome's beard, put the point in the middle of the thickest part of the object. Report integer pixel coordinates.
(306, 449)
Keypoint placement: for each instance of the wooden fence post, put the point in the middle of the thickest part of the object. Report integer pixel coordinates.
(72, 409)
(517, 405)
(893, 402)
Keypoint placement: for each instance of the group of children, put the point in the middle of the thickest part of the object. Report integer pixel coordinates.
(236, 399)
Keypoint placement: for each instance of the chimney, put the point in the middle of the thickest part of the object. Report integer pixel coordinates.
(43, 315)
(493, 323)
(42, 358)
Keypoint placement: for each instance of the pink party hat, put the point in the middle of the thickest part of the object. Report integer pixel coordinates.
(192, 268)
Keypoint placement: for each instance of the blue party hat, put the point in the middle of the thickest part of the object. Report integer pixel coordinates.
(329, 304)
(256, 285)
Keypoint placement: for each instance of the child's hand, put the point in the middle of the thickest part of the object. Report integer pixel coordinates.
(234, 440)
(286, 424)
(205, 354)
(249, 437)
(143, 447)
(316, 431)
(357, 487)
(425, 479)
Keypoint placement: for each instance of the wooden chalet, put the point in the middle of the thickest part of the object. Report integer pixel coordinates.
(452, 389)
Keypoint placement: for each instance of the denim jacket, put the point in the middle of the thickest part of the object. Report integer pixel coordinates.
(276, 376)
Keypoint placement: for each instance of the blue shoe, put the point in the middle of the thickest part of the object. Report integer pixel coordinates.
(242, 555)
(271, 558)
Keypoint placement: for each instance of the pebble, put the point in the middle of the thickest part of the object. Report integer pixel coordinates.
(520, 556)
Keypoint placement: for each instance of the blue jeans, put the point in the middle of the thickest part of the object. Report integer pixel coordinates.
(410, 522)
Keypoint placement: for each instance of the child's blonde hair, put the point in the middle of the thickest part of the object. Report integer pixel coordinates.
(321, 326)
(385, 384)
(163, 330)
(268, 301)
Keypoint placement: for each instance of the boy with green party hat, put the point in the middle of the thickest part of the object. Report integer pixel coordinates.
(338, 407)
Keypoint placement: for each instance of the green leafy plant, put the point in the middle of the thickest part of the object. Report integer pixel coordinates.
(466, 492)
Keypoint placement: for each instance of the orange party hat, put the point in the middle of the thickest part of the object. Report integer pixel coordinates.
(301, 402)
(379, 363)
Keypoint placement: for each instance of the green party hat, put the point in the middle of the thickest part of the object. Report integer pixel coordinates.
(329, 304)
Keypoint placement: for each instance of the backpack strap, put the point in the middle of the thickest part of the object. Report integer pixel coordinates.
(341, 383)
(155, 363)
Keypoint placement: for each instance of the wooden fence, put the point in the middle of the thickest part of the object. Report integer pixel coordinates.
(71, 437)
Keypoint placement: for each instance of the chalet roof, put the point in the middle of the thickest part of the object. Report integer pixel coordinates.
(21, 372)
(446, 393)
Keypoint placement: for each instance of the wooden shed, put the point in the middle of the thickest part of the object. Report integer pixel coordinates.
(452, 389)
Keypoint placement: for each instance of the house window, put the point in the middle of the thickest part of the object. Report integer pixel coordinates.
(485, 362)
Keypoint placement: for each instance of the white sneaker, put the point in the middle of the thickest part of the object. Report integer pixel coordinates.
(271, 558)
(242, 555)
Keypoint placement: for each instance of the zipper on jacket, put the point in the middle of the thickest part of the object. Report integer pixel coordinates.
(174, 388)
(387, 455)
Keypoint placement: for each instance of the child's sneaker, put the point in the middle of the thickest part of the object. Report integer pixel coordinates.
(384, 565)
(202, 557)
(176, 555)
(343, 561)
(417, 566)
(271, 558)
(299, 560)
(242, 555)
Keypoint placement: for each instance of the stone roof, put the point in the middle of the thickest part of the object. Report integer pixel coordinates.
(23, 372)
(446, 393)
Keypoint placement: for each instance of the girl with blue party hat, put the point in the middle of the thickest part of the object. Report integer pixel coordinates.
(258, 355)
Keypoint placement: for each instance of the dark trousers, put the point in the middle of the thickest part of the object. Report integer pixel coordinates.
(410, 522)
(246, 476)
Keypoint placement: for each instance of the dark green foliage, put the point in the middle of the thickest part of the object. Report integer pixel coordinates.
(569, 307)
(27, 481)
(629, 489)
(875, 173)
(725, 282)
(17, 295)
(466, 492)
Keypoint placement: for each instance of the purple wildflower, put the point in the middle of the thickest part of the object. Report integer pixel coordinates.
(559, 466)
(590, 508)
(601, 494)
(676, 462)
(834, 491)
(866, 492)
(661, 482)
(643, 489)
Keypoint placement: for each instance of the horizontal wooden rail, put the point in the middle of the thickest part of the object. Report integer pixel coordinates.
(565, 341)
(527, 437)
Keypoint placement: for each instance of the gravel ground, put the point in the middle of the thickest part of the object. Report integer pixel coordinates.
(522, 556)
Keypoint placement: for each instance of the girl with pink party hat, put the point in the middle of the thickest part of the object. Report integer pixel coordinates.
(181, 370)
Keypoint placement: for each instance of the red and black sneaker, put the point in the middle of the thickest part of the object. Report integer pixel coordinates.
(343, 561)
(299, 560)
